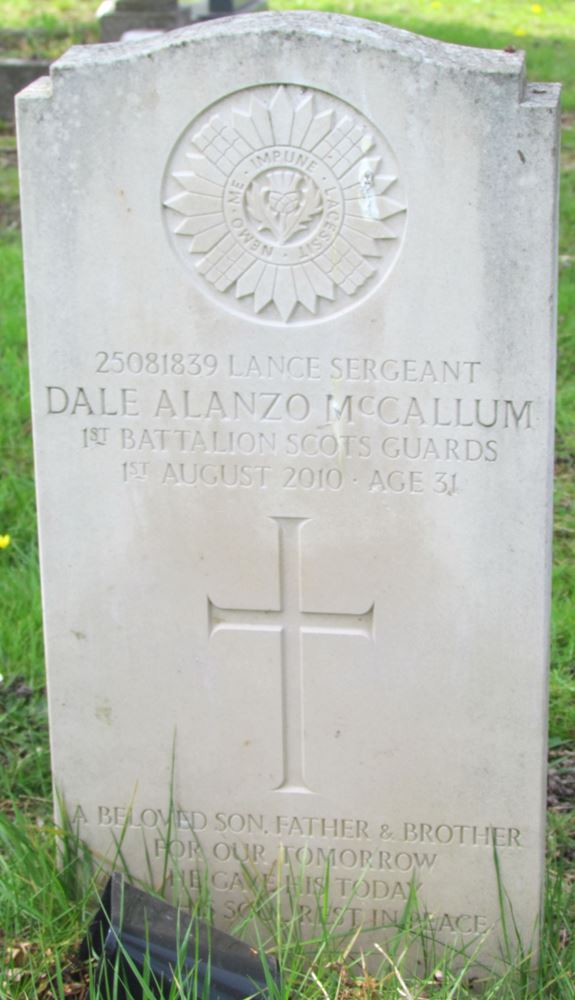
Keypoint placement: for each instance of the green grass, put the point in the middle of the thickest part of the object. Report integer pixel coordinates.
(31, 30)
(43, 908)
(46, 907)
(28, 14)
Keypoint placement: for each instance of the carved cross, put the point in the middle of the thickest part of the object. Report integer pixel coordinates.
(292, 622)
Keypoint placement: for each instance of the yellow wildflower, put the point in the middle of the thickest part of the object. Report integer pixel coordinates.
(536, 8)
(520, 32)
(435, 5)
(4, 541)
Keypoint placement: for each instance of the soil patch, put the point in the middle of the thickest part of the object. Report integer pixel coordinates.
(561, 781)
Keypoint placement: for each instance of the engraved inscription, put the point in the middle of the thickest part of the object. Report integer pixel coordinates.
(285, 202)
(392, 428)
(291, 621)
(367, 868)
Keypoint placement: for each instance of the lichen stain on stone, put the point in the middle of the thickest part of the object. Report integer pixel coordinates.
(104, 713)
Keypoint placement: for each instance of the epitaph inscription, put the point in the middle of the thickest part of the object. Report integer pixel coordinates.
(286, 201)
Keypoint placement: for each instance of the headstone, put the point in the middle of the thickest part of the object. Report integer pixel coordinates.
(291, 330)
(119, 18)
(15, 74)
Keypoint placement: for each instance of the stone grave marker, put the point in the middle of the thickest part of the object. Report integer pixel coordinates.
(119, 18)
(291, 328)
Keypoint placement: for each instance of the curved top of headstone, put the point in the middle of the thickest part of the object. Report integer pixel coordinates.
(353, 31)
(196, 103)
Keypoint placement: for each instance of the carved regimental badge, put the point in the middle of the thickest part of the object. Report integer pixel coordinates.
(285, 203)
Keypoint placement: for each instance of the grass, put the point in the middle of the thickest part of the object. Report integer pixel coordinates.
(32, 31)
(44, 908)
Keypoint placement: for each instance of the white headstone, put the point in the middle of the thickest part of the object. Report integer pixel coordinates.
(291, 288)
